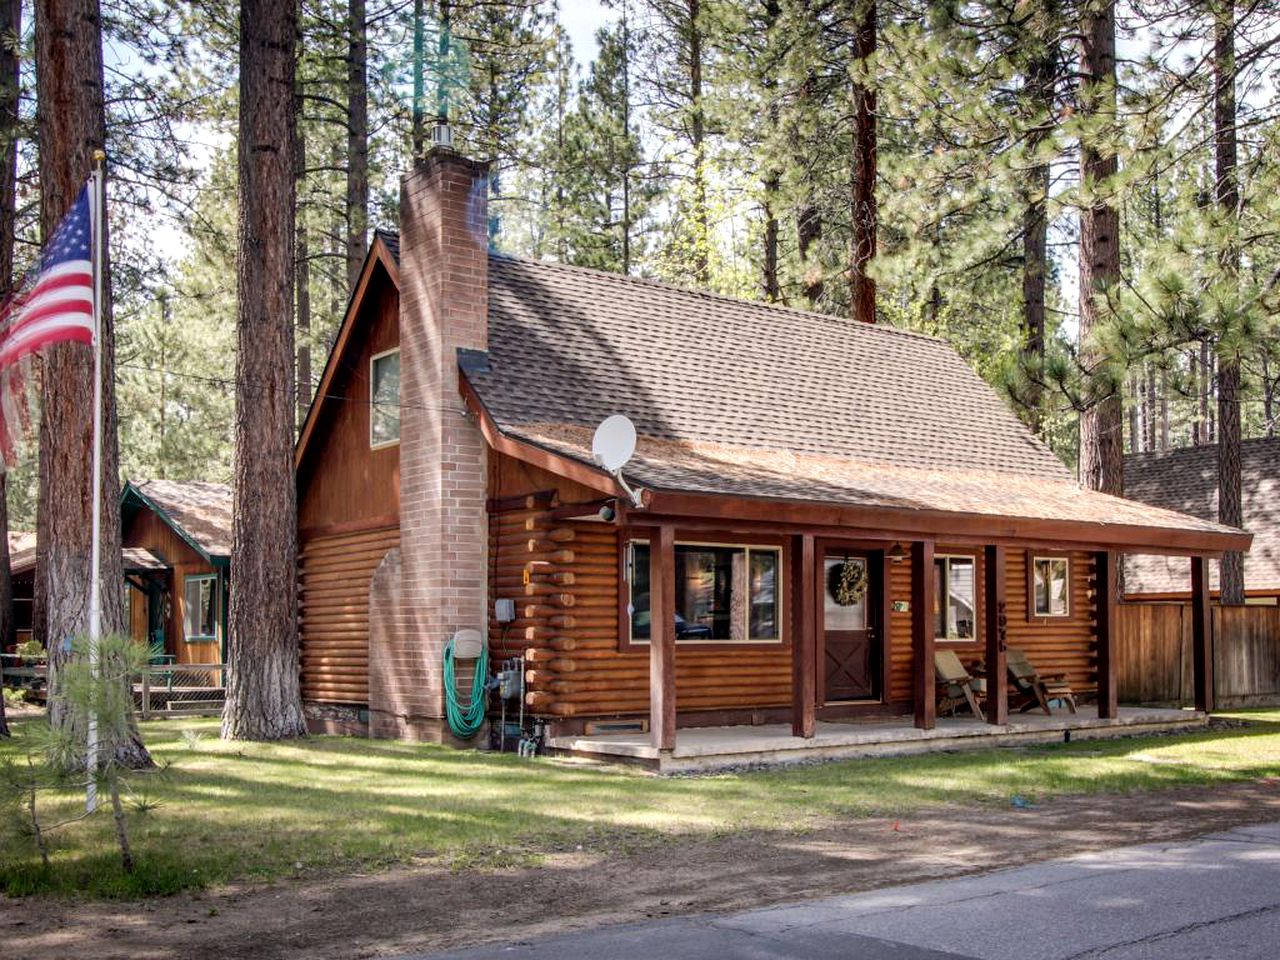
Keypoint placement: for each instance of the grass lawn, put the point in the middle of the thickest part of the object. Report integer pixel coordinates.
(219, 811)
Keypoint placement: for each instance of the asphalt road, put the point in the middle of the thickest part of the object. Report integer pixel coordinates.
(1214, 897)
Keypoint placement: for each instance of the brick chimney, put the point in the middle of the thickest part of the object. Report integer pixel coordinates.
(444, 272)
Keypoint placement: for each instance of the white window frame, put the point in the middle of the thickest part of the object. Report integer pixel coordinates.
(186, 607)
(977, 593)
(1066, 561)
(779, 588)
(373, 405)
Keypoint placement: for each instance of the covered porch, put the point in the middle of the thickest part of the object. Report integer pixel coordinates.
(810, 732)
(707, 749)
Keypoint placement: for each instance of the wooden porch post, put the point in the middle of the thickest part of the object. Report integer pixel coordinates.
(1107, 580)
(1201, 635)
(922, 634)
(662, 638)
(804, 654)
(997, 623)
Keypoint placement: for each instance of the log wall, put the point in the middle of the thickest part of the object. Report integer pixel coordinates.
(563, 575)
(333, 612)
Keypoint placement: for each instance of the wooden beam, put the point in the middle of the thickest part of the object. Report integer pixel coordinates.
(804, 638)
(1107, 581)
(662, 637)
(1201, 635)
(926, 706)
(997, 626)
(883, 636)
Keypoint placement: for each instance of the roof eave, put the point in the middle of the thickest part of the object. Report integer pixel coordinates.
(559, 464)
(895, 522)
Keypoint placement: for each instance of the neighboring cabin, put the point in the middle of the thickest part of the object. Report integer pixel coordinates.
(176, 539)
(825, 503)
(1186, 480)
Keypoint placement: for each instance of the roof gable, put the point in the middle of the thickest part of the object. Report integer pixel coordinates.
(383, 256)
(198, 512)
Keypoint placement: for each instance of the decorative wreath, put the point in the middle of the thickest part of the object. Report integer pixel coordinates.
(848, 582)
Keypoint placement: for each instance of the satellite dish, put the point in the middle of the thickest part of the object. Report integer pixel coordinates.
(614, 443)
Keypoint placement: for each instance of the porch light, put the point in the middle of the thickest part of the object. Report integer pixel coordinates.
(897, 553)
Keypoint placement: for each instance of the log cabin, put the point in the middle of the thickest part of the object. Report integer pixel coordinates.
(176, 540)
(821, 504)
(1186, 480)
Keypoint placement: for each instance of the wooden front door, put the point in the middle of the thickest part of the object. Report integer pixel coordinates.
(850, 663)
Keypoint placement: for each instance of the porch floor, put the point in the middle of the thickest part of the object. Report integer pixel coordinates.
(700, 749)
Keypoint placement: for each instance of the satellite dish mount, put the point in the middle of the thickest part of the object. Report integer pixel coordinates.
(612, 447)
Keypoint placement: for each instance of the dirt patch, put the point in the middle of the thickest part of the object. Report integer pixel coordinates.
(408, 910)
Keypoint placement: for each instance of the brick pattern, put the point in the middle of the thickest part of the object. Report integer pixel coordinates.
(443, 522)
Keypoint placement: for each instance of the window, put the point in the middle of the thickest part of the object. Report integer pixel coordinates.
(955, 598)
(1051, 586)
(200, 608)
(384, 391)
(723, 594)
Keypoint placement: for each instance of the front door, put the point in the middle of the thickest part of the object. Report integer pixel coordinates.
(850, 664)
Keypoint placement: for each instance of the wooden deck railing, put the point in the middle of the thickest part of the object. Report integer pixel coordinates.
(1154, 648)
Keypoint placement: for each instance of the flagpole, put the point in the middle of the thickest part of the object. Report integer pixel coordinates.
(97, 212)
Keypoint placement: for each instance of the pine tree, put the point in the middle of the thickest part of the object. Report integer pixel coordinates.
(10, 45)
(1101, 423)
(263, 697)
(69, 80)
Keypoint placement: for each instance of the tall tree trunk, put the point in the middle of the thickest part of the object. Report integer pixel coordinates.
(10, 45)
(772, 180)
(1230, 506)
(357, 140)
(263, 700)
(302, 266)
(1164, 411)
(862, 288)
(419, 88)
(72, 125)
(1150, 407)
(1102, 424)
(698, 136)
(1035, 258)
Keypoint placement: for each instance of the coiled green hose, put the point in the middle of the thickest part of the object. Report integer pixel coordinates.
(466, 721)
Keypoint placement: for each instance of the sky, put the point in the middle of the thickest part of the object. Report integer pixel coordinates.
(581, 19)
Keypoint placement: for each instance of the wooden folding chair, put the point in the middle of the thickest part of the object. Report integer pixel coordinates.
(1034, 689)
(955, 685)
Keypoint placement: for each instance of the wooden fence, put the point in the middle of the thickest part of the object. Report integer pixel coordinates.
(1154, 648)
(162, 690)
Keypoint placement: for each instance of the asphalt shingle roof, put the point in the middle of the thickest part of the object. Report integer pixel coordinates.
(202, 511)
(1186, 480)
(735, 397)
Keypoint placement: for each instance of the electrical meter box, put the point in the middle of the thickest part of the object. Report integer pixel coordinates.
(504, 610)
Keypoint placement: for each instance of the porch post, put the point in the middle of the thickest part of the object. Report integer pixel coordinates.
(804, 654)
(922, 634)
(1107, 580)
(997, 623)
(662, 638)
(1201, 635)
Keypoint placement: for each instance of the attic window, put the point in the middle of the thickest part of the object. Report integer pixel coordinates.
(384, 393)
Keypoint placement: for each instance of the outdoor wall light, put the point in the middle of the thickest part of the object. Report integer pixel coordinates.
(897, 553)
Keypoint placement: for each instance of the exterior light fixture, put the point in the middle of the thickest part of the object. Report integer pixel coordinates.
(897, 553)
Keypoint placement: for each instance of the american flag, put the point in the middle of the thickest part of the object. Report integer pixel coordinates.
(53, 305)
